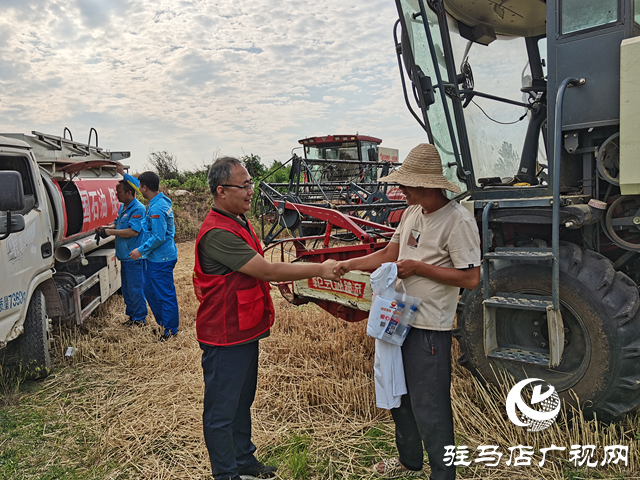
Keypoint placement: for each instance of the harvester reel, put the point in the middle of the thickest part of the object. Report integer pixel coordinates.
(285, 220)
(380, 214)
(622, 222)
(608, 160)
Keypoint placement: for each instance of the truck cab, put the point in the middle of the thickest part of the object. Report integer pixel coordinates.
(55, 192)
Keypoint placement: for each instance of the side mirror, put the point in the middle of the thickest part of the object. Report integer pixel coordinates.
(11, 199)
(17, 225)
(373, 157)
(11, 193)
(421, 82)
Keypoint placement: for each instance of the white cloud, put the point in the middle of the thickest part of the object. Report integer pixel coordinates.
(193, 76)
(349, 88)
(336, 100)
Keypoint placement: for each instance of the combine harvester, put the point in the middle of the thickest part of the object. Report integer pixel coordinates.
(338, 172)
(542, 141)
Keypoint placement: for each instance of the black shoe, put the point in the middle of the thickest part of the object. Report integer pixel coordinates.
(133, 323)
(257, 470)
(167, 336)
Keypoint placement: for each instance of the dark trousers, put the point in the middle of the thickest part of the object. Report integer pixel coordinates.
(230, 379)
(425, 415)
(132, 276)
(160, 290)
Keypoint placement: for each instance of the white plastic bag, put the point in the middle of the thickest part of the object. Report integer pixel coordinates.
(384, 317)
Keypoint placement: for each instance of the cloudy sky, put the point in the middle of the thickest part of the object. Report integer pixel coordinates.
(196, 77)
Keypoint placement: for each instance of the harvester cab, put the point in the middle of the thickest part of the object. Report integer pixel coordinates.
(532, 106)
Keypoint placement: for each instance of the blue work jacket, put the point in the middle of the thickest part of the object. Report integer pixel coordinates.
(130, 217)
(159, 228)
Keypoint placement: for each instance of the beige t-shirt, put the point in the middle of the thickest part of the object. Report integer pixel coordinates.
(448, 238)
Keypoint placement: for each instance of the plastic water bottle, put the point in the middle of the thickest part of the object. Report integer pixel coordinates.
(393, 323)
(405, 323)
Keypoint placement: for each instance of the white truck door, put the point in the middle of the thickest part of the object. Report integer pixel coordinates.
(26, 254)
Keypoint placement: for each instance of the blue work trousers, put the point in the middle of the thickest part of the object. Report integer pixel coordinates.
(425, 415)
(230, 380)
(132, 276)
(160, 290)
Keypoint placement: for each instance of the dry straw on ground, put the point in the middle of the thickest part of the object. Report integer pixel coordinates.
(139, 402)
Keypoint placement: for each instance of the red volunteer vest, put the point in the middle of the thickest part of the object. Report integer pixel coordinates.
(235, 307)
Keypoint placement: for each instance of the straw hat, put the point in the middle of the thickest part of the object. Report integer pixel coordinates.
(421, 168)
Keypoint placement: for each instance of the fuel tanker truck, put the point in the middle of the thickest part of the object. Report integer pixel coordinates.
(54, 192)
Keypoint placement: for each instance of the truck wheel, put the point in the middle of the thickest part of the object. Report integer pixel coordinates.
(599, 308)
(33, 344)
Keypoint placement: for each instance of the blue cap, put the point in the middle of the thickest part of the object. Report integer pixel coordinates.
(401, 305)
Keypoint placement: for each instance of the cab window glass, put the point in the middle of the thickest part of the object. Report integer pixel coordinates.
(20, 165)
(364, 151)
(582, 14)
(636, 11)
(542, 48)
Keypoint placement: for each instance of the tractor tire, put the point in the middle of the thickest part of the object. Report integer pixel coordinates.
(599, 307)
(33, 345)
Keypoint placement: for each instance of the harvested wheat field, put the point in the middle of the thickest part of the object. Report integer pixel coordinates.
(128, 407)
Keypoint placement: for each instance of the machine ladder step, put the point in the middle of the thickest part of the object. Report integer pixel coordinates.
(520, 254)
(519, 301)
(518, 355)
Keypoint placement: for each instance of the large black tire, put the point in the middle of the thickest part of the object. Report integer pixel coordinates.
(599, 308)
(33, 344)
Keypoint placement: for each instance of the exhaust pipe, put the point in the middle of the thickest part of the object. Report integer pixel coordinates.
(72, 250)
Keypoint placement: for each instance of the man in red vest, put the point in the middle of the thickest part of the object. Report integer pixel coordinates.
(231, 280)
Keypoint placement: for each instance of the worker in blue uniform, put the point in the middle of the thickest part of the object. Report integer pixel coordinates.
(160, 252)
(127, 229)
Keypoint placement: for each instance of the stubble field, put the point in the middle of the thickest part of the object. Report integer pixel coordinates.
(127, 407)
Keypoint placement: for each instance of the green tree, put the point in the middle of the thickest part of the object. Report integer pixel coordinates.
(277, 173)
(165, 164)
(253, 165)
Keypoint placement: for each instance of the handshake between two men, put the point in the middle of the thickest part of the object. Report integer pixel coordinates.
(329, 269)
(334, 270)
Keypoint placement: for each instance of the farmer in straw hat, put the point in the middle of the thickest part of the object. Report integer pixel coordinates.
(437, 251)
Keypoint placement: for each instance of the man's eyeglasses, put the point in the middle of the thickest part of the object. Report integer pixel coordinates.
(249, 186)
